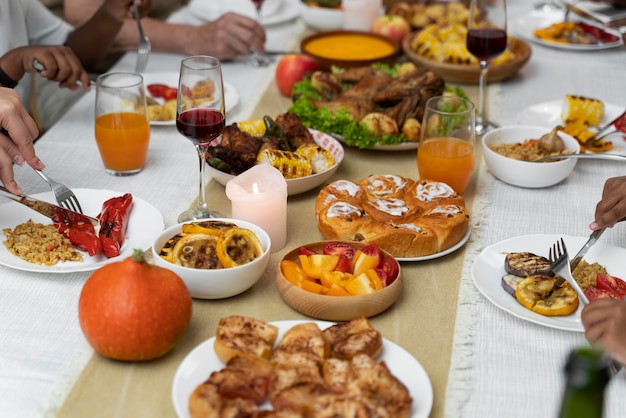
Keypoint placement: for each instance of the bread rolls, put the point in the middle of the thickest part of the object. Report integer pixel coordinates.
(407, 218)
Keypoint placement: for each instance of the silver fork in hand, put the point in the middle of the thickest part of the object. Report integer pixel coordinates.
(560, 264)
(143, 52)
(64, 196)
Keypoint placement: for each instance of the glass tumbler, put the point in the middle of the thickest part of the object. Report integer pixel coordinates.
(122, 128)
(447, 138)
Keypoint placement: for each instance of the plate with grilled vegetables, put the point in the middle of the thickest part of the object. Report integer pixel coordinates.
(511, 274)
(306, 157)
(581, 117)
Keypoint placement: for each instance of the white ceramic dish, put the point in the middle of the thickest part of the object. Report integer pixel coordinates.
(170, 78)
(272, 13)
(404, 146)
(548, 115)
(488, 269)
(526, 25)
(441, 253)
(321, 18)
(144, 223)
(304, 184)
(202, 360)
(218, 283)
(524, 173)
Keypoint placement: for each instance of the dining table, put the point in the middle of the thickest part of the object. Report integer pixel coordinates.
(481, 359)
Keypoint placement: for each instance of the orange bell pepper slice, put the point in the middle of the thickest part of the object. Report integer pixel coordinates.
(314, 265)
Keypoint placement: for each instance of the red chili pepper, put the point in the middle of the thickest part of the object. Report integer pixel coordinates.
(598, 33)
(82, 236)
(620, 124)
(113, 223)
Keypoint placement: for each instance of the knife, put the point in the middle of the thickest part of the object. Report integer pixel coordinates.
(593, 238)
(54, 212)
(582, 13)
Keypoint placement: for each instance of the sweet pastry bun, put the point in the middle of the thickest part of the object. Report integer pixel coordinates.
(407, 218)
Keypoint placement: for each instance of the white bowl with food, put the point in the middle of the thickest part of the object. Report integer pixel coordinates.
(206, 246)
(508, 140)
(321, 18)
(301, 184)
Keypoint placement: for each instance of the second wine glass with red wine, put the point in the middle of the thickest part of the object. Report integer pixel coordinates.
(200, 117)
(486, 39)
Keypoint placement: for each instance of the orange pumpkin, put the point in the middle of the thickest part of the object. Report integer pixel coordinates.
(131, 310)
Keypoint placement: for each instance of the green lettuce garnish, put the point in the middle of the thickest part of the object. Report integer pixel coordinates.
(353, 133)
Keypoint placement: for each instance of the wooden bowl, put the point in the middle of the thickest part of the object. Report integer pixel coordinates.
(339, 41)
(470, 74)
(336, 308)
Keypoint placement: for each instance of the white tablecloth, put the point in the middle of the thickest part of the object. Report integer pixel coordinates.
(504, 366)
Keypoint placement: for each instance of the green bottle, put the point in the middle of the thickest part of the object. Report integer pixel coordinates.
(587, 373)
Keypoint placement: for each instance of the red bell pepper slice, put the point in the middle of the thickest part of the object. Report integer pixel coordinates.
(113, 223)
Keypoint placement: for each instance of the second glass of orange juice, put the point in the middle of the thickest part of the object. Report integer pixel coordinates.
(446, 147)
(122, 128)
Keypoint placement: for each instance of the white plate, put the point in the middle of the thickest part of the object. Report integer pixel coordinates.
(202, 361)
(273, 11)
(170, 78)
(303, 184)
(442, 253)
(548, 115)
(404, 146)
(488, 270)
(144, 224)
(526, 25)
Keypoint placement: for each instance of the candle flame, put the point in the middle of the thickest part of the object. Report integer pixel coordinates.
(255, 188)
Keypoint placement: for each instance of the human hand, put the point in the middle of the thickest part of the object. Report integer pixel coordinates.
(121, 9)
(17, 137)
(612, 206)
(604, 321)
(228, 38)
(59, 63)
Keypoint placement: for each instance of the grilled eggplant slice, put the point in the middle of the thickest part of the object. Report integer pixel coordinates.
(525, 264)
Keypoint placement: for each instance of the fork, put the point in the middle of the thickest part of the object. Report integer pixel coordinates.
(64, 196)
(143, 52)
(560, 264)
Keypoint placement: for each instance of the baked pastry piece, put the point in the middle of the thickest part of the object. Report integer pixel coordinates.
(407, 218)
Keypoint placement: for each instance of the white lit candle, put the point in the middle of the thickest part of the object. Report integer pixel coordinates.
(259, 196)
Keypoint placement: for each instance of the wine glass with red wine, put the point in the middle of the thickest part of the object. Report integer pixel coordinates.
(200, 117)
(256, 58)
(486, 39)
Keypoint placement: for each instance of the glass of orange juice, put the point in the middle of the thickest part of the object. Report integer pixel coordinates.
(447, 137)
(122, 128)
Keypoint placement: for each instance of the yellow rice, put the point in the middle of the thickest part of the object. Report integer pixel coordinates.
(40, 244)
(585, 274)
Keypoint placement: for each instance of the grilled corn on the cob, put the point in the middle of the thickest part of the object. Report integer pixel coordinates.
(319, 158)
(590, 111)
(255, 127)
(290, 164)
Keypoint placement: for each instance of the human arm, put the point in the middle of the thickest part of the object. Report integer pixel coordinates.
(227, 38)
(84, 47)
(17, 137)
(620, 4)
(612, 206)
(604, 321)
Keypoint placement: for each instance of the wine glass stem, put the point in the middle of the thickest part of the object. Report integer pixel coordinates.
(201, 207)
(481, 117)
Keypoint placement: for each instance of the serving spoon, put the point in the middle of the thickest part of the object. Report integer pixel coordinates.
(614, 157)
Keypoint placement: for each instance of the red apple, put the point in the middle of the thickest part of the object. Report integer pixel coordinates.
(291, 69)
(391, 26)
